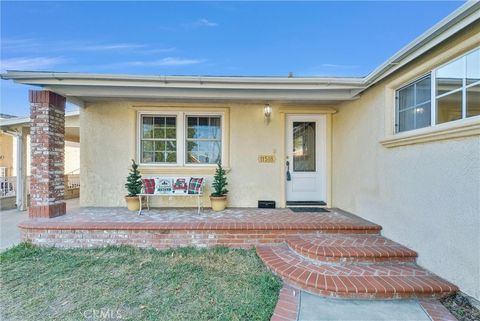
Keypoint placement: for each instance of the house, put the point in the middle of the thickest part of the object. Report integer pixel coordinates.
(15, 155)
(399, 147)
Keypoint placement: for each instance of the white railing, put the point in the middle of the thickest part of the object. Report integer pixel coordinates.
(8, 186)
(72, 181)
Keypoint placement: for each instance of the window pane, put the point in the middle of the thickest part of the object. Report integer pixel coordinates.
(406, 120)
(171, 146)
(147, 127)
(450, 77)
(171, 157)
(304, 146)
(147, 146)
(449, 107)
(422, 115)
(414, 105)
(160, 146)
(473, 101)
(159, 157)
(159, 132)
(147, 157)
(159, 121)
(423, 90)
(204, 127)
(203, 152)
(473, 67)
(406, 97)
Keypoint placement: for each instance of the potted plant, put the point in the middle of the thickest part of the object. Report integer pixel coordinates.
(218, 198)
(134, 187)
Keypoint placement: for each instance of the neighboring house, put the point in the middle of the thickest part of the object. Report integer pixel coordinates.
(11, 128)
(400, 147)
(6, 150)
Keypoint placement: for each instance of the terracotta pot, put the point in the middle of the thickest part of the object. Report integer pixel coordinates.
(133, 203)
(218, 203)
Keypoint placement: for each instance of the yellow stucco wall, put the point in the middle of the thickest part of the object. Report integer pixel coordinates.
(427, 195)
(110, 134)
(6, 152)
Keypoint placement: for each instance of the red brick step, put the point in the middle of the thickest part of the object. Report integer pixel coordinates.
(351, 248)
(362, 281)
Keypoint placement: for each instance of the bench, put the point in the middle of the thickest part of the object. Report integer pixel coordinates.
(172, 186)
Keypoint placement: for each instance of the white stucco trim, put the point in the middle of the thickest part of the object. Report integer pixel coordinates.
(454, 129)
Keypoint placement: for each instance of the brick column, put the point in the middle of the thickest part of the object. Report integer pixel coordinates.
(47, 132)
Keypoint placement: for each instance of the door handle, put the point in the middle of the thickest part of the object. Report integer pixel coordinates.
(289, 177)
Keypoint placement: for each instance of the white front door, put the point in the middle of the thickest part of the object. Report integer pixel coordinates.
(306, 158)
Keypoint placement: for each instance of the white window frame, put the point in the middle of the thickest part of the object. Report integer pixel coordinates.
(433, 99)
(181, 136)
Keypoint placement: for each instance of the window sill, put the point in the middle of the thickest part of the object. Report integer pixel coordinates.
(456, 129)
(178, 170)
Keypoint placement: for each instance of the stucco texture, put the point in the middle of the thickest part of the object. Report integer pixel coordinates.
(426, 196)
(108, 143)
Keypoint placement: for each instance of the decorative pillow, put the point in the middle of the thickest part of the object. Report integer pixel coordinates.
(148, 185)
(195, 185)
(163, 185)
(180, 185)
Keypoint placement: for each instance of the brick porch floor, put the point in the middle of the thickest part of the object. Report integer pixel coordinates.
(170, 227)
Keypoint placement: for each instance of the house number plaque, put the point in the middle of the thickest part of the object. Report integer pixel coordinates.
(266, 159)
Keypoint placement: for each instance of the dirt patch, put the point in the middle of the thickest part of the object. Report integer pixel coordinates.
(459, 305)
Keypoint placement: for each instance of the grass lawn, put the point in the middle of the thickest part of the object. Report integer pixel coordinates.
(124, 283)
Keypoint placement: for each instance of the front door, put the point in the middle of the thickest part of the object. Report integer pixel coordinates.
(306, 158)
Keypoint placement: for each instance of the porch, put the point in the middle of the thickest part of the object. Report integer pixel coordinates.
(171, 227)
(333, 253)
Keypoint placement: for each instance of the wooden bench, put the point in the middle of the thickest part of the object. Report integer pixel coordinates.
(174, 189)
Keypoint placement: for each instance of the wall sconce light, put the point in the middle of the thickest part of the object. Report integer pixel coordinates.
(267, 111)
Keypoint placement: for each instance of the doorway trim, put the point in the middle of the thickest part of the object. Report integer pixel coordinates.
(327, 111)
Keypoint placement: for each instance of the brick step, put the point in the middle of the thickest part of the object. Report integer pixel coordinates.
(361, 281)
(350, 248)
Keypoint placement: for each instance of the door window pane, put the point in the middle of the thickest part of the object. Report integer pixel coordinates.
(449, 107)
(450, 77)
(473, 101)
(304, 147)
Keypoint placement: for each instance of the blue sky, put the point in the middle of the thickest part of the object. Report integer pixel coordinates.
(206, 38)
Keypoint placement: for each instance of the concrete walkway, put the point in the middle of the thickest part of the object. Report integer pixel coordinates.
(10, 233)
(316, 308)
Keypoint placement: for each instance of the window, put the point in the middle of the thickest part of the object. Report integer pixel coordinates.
(455, 88)
(204, 140)
(414, 105)
(159, 140)
(180, 139)
(458, 87)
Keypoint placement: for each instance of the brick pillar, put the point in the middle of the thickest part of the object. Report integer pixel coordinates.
(47, 133)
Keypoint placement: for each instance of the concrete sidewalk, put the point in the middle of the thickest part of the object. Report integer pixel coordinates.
(9, 219)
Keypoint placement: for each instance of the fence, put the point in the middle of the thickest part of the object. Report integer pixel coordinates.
(8, 186)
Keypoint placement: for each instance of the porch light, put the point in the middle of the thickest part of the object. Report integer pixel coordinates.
(267, 110)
